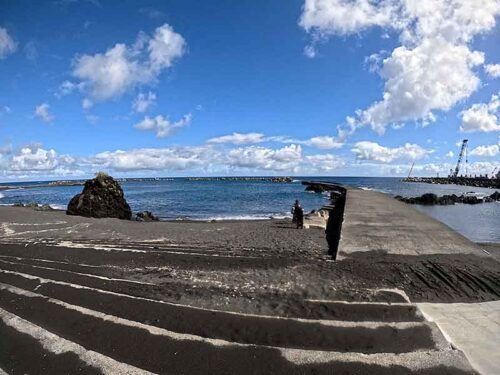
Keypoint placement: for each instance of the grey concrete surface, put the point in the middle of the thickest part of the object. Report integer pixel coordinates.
(474, 328)
(376, 222)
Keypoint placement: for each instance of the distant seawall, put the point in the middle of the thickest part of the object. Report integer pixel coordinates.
(466, 181)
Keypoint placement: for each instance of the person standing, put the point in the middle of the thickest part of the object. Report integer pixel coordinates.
(298, 214)
(294, 208)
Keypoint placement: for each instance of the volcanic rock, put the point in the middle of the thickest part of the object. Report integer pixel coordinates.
(101, 197)
(146, 216)
(317, 188)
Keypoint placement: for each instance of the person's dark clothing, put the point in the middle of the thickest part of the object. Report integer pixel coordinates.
(299, 216)
(294, 208)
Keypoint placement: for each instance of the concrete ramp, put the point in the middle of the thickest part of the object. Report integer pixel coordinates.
(375, 221)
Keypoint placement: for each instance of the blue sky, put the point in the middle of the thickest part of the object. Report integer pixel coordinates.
(173, 88)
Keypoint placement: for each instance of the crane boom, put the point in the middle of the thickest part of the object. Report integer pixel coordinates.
(460, 157)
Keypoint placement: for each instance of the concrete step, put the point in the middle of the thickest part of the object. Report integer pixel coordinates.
(381, 312)
(366, 312)
(341, 336)
(26, 348)
(129, 256)
(161, 351)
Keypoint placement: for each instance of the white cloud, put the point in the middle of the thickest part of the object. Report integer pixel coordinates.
(323, 142)
(87, 103)
(7, 44)
(239, 138)
(33, 159)
(342, 17)
(179, 158)
(325, 162)
(491, 150)
(432, 70)
(481, 117)
(255, 157)
(435, 75)
(373, 151)
(143, 102)
(110, 74)
(493, 70)
(310, 51)
(68, 87)
(449, 154)
(42, 112)
(162, 125)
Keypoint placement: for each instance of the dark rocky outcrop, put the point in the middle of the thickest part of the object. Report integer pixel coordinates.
(317, 188)
(44, 207)
(495, 196)
(101, 197)
(146, 216)
(35, 206)
(432, 199)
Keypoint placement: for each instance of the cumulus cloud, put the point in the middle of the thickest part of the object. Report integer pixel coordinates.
(481, 117)
(7, 44)
(493, 70)
(373, 151)
(325, 162)
(68, 87)
(121, 68)
(34, 160)
(491, 150)
(263, 158)
(144, 102)
(178, 158)
(162, 125)
(321, 142)
(238, 138)
(42, 112)
(432, 70)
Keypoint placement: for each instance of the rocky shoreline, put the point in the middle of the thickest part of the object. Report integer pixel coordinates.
(430, 199)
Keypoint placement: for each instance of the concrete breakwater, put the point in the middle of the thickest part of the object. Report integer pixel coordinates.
(250, 179)
(466, 181)
(335, 212)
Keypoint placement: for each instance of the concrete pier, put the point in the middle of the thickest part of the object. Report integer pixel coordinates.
(375, 221)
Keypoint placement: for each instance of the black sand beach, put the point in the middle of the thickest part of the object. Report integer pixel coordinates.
(243, 282)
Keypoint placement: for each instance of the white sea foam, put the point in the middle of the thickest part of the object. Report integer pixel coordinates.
(245, 217)
(2, 195)
(58, 206)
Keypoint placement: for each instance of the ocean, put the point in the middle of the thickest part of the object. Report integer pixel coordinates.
(181, 198)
